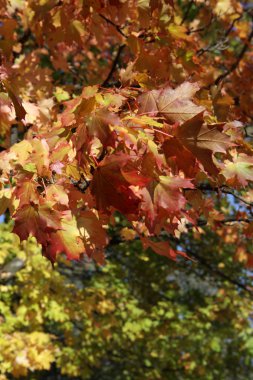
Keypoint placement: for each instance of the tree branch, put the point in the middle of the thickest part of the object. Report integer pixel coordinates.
(238, 60)
(248, 11)
(117, 27)
(220, 45)
(231, 219)
(187, 12)
(224, 190)
(25, 37)
(202, 28)
(218, 272)
(228, 31)
(114, 65)
(213, 270)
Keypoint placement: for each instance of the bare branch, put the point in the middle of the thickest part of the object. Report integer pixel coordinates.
(202, 28)
(228, 31)
(187, 12)
(231, 219)
(218, 272)
(223, 189)
(114, 65)
(238, 60)
(117, 27)
(248, 11)
(220, 45)
(228, 191)
(213, 270)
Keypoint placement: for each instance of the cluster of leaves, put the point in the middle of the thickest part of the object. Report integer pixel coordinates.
(137, 318)
(146, 141)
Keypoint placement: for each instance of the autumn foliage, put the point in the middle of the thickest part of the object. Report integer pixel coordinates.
(136, 107)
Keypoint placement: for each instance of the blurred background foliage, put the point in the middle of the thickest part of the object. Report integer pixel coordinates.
(139, 317)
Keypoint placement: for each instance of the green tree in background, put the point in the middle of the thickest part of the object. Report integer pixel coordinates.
(139, 317)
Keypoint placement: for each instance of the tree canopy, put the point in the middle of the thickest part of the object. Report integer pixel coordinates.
(137, 107)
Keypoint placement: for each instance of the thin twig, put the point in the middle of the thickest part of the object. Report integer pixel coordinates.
(248, 11)
(237, 62)
(218, 272)
(220, 45)
(201, 260)
(114, 65)
(187, 12)
(228, 31)
(117, 27)
(224, 190)
(213, 270)
(231, 219)
(202, 28)
(25, 37)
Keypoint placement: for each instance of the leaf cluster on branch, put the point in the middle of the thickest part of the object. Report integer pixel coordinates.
(115, 110)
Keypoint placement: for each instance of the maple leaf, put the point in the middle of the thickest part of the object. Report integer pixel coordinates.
(148, 102)
(161, 198)
(174, 104)
(182, 157)
(99, 122)
(109, 186)
(7, 116)
(134, 175)
(168, 195)
(92, 233)
(66, 240)
(17, 103)
(179, 32)
(7, 162)
(36, 220)
(162, 248)
(23, 151)
(146, 205)
(57, 194)
(80, 137)
(62, 152)
(143, 121)
(26, 192)
(171, 2)
(194, 134)
(203, 140)
(239, 171)
(39, 113)
(33, 156)
(5, 200)
(40, 156)
(77, 109)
